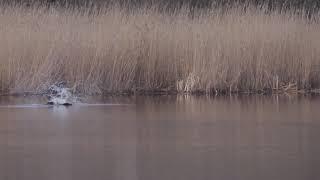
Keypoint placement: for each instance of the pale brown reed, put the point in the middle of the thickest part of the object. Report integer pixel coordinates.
(145, 50)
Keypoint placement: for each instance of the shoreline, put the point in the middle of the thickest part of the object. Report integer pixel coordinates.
(195, 93)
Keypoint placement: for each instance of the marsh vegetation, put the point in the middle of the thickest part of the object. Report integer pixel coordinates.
(146, 49)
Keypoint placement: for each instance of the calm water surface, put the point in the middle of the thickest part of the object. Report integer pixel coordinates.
(162, 138)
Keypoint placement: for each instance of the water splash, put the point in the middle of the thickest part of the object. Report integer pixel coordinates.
(60, 95)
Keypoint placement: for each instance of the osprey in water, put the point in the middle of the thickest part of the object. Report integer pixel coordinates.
(59, 95)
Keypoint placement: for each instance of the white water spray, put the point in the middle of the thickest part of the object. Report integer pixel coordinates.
(60, 96)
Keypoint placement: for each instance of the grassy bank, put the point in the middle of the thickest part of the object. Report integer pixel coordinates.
(144, 50)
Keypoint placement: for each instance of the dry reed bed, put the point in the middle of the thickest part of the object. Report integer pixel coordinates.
(146, 51)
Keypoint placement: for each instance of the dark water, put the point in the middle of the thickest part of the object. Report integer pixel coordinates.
(162, 138)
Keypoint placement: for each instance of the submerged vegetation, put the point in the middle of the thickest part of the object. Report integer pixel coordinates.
(145, 49)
